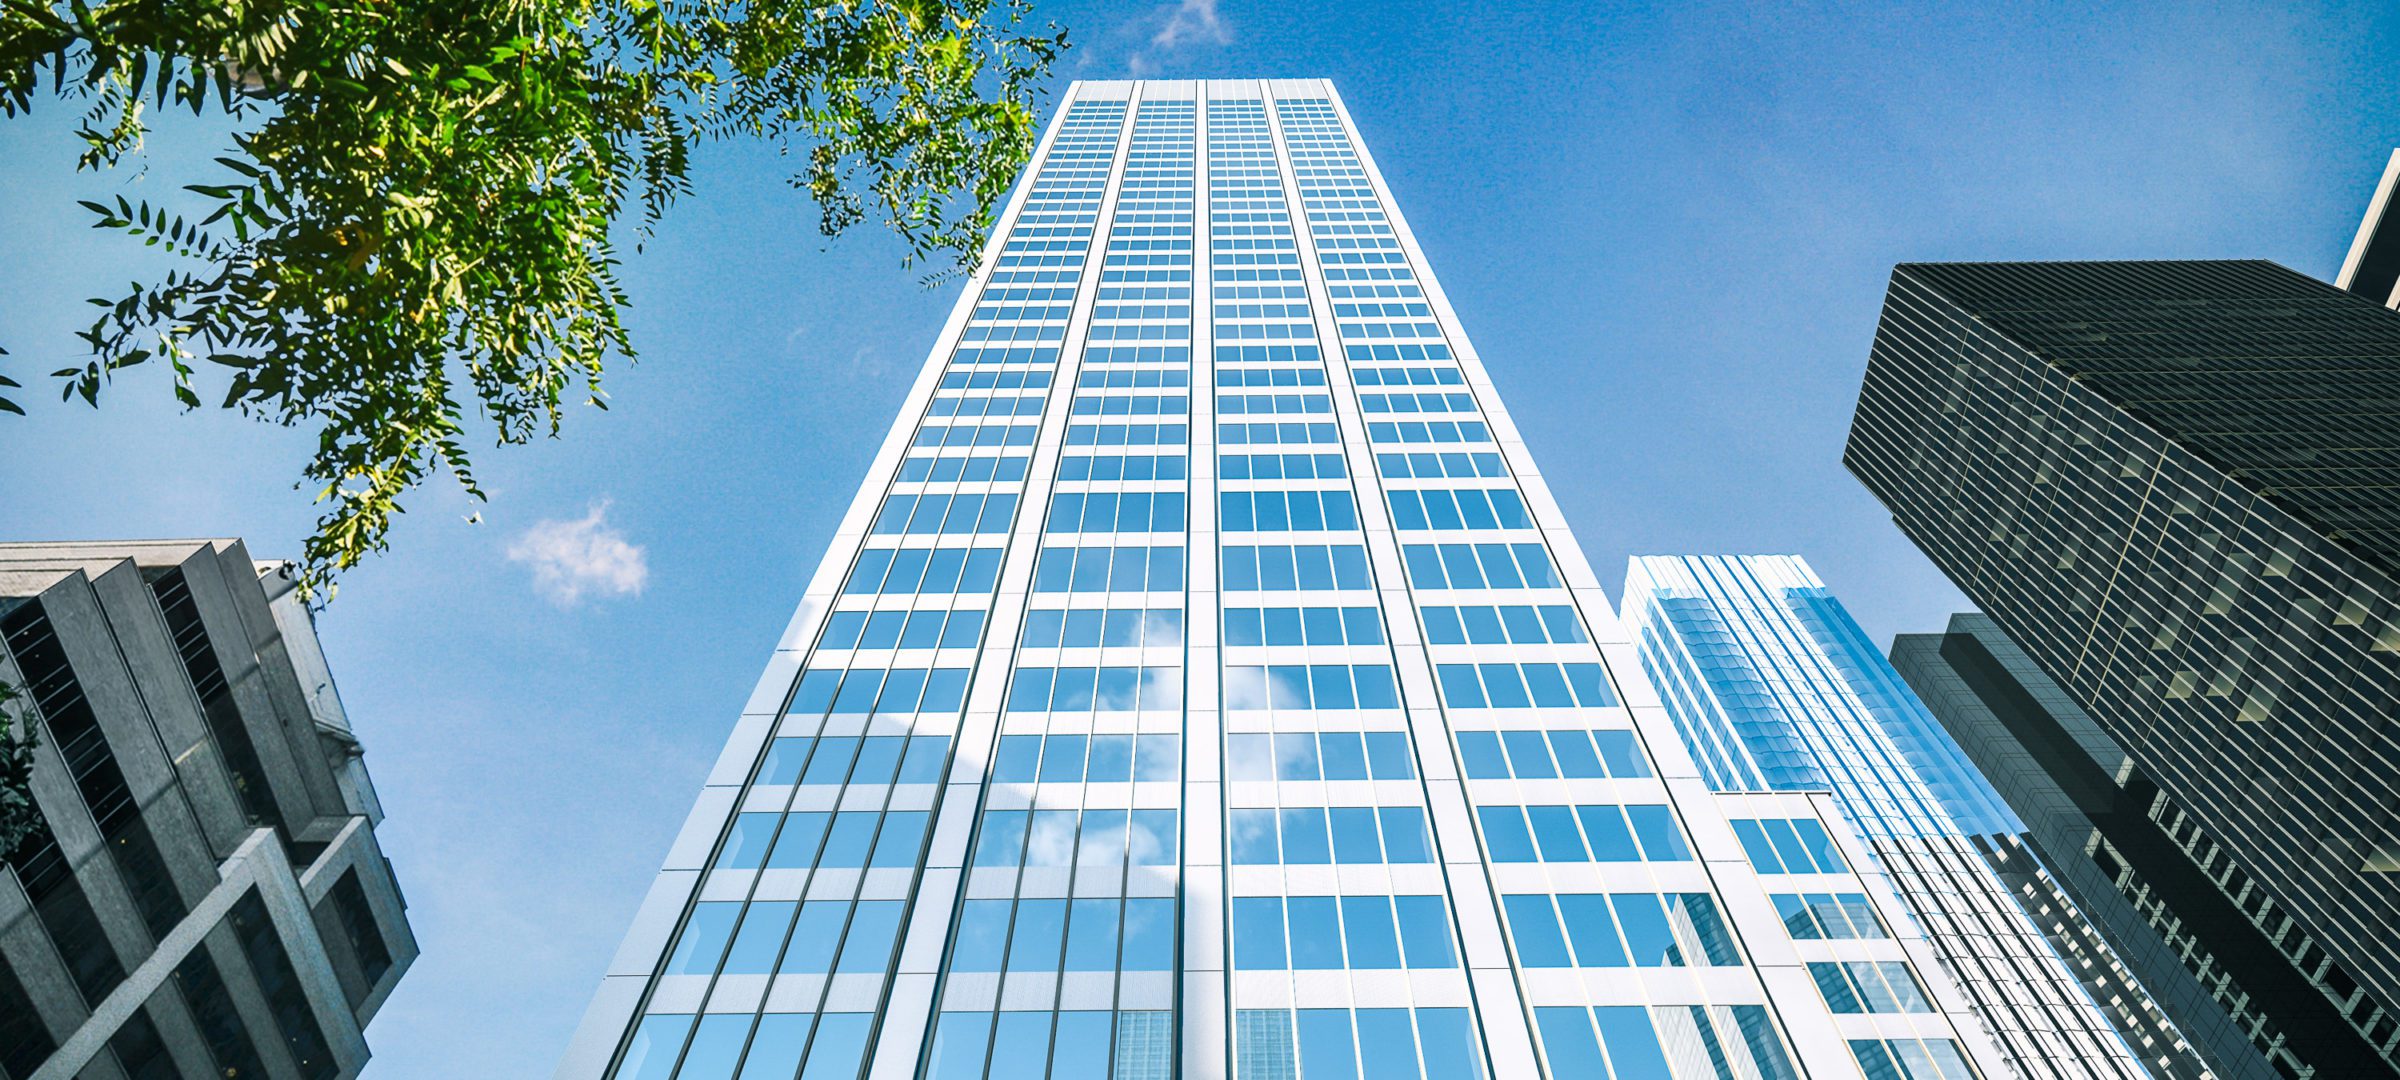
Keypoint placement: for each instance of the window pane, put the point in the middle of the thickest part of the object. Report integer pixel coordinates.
(814, 936)
(1655, 824)
(1567, 1042)
(784, 758)
(1033, 943)
(1002, 841)
(1019, 756)
(1528, 754)
(1296, 756)
(839, 1048)
(1080, 1047)
(1533, 926)
(1479, 753)
(846, 844)
(1316, 933)
(926, 756)
(1505, 835)
(1050, 839)
(902, 836)
(1591, 929)
(760, 938)
(1020, 1046)
(1258, 933)
(1621, 753)
(1157, 757)
(776, 1047)
(982, 936)
(656, 1045)
(1062, 758)
(1368, 933)
(1575, 756)
(1149, 935)
(1345, 756)
(1451, 1051)
(1404, 837)
(1092, 935)
(746, 846)
(1388, 757)
(1425, 932)
(1253, 837)
(1354, 839)
(1326, 1049)
(1632, 1043)
(704, 938)
(1554, 832)
(1820, 845)
(831, 763)
(1111, 759)
(1387, 1047)
(1154, 838)
(1611, 840)
(959, 1039)
(867, 948)
(1646, 933)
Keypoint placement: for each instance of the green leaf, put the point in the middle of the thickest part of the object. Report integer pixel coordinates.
(418, 262)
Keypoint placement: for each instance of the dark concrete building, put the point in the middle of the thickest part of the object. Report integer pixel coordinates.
(205, 897)
(2176, 485)
(2218, 975)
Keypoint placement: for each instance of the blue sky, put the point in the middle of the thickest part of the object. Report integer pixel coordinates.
(1667, 230)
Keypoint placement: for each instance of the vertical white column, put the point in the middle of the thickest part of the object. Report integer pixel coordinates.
(1206, 1028)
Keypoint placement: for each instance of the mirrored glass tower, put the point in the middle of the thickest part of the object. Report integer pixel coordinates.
(1204, 683)
(1774, 687)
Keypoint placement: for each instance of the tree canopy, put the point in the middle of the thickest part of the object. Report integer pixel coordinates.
(412, 245)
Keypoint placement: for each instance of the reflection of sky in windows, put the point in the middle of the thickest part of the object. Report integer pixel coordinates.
(1774, 687)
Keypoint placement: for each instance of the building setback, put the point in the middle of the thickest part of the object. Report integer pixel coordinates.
(2176, 486)
(2221, 979)
(205, 897)
(1204, 683)
(1773, 687)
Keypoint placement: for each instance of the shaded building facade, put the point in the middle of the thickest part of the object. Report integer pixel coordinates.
(205, 896)
(2176, 486)
(2217, 974)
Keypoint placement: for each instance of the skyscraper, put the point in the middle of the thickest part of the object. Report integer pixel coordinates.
(1774, 688)
(1203, 683)
(2246, 1008)
(2176, 486)
(2372, 269)
(204, 896)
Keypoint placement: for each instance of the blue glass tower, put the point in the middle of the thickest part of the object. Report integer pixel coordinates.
(1774, 687)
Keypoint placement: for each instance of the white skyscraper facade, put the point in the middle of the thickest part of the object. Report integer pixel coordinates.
(1204, 683)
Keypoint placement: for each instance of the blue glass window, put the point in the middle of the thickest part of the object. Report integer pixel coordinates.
(657, 1042)
(867, 948)
(1258, 933)
(814, 936)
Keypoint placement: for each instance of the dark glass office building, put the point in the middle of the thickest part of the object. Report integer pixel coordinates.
(2224, 983)
(2176, 485)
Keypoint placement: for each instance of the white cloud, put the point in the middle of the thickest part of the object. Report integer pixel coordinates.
(572, 558)
(1176, 28)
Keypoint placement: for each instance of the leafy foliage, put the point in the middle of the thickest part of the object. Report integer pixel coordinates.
(418, 216)
(19, 817)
